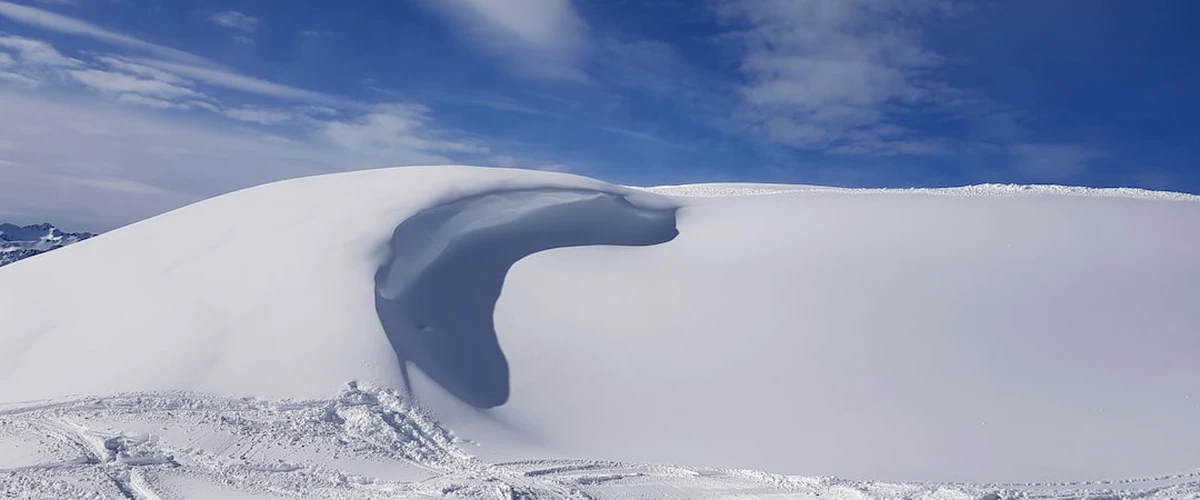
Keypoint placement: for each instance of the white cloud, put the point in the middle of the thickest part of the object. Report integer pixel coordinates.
(111, 81)
(64, 24)
(19, 79)
(152, 102)
(641, 136)
(143, 70)
(71, 156)
(237, 81)
(834, 74)
(490, 101)
(204, 105)
(180, 64)
(236, 20)
(316, 33)
(539, 38)
(259, 115)
(390, 128)
(32, 63)
(37, 64)
(35, 52)
(1054, 161)
(319, 110)
(137, 146)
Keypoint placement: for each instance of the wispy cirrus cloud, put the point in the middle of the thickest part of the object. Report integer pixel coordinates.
(236, 20)
(64, 24)
(140, 135)
(35, 52)
(142, 70)
(139, 155)
(390, 127)
(31, 63)
(537, 38)
(36, 63)
(124, 83)
(641, 136)
(171, 61)
(261, 116)
(244, 83)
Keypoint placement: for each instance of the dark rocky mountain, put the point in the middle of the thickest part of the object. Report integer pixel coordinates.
(21, 242)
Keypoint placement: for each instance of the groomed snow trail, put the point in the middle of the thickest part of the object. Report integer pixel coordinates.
(369, 443)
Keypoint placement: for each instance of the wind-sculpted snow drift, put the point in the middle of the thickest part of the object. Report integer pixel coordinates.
(982, 335)
(436, 294)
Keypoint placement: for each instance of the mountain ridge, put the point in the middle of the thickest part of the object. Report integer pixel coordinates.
(22, 242)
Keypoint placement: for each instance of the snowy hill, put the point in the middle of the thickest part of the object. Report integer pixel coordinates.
(21, 242)
(560, 335)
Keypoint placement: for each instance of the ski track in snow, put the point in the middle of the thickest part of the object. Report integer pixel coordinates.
(370, 443)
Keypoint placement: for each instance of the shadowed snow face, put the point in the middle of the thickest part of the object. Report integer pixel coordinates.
(436, 295)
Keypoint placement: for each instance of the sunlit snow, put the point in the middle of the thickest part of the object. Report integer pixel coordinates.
(900, 340)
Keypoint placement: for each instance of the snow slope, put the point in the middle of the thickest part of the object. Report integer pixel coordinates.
(988, 334)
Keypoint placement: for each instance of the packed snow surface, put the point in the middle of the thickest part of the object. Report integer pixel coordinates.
(374, 444)
(990, 334)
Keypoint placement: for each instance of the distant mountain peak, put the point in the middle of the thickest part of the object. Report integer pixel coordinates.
(21, 242)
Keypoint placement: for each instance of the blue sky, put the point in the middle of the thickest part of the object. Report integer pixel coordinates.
(114, 110)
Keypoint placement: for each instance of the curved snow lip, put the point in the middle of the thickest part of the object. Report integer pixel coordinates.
(436, 294)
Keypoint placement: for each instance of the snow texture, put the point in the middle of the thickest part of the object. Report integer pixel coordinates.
(990, 342)
(370, 443)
